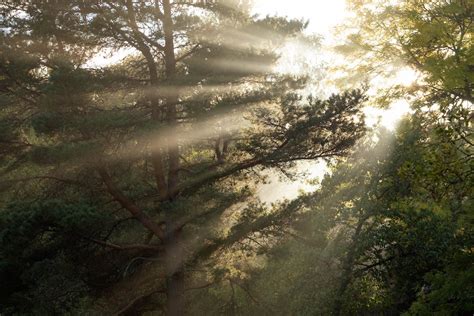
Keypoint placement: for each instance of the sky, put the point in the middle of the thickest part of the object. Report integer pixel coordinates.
(322, 15)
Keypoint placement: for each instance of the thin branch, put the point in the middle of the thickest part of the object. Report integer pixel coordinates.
(200, 287)
(189, 53)
(123, 247)
(68, 181)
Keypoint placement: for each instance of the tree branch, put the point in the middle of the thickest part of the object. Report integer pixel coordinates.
(123, 247)
(146, 221)
(133, 304)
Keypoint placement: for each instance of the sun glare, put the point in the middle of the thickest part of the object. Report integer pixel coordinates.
(298, 58)
(108, 57)
(387, 118)
(277, 189)
(322, 15)
(406, 76)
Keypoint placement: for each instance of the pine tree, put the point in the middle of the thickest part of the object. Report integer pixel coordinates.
(170, 135)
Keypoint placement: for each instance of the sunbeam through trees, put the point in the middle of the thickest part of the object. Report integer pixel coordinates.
(136, 138)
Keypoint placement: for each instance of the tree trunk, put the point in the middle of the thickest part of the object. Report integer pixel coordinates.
(343, 285)
(174, 274)
(174, 249)
(347, 269)
(171, 102)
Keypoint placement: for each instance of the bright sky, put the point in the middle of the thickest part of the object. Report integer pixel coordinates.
(322, 15)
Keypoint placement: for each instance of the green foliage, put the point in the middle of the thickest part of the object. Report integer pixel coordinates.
(448, 292)
(378, 233)
(432, 37)
(40, 250)
(48, 155)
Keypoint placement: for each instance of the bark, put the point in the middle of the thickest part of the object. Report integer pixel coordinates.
(347, 269)
(174, 274)
(174, 249)
(171, 111)
(130, 206)
(156, 156)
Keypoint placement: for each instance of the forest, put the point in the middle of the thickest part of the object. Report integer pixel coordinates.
(180, 157)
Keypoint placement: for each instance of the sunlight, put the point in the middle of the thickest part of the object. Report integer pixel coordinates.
(221, 157)
(108, 57)
(387, 118)
(279, 189)
(250, 37)
(203, 129)
(240, 66)
(297, 58)
(406, 76)
(322, 15)
(186, 91)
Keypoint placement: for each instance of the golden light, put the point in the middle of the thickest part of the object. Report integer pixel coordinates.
(108, 57)
(298, 57)
(406, 76)
(322, 15)
(278, 188)
(387, 118)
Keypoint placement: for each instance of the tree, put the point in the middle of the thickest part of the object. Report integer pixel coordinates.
(388, 232)
(402, 207)
(169, 135)
(434, 38)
